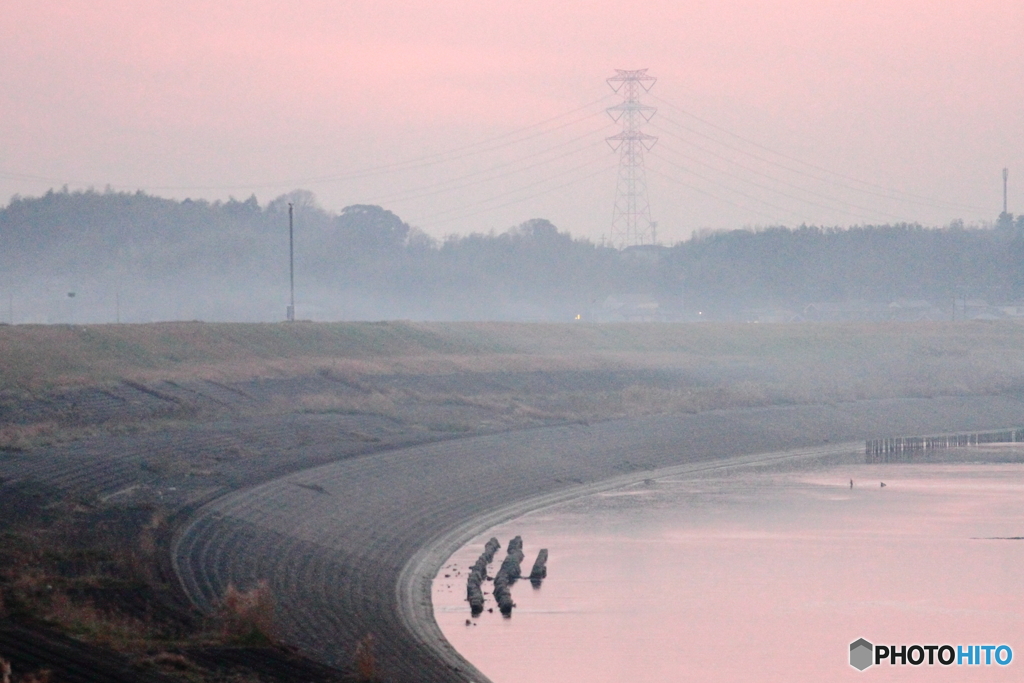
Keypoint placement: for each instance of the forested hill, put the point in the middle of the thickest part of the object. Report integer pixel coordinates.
(139, 258)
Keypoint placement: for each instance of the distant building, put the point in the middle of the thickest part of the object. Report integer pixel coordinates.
(915, 310)
(649, 253)
(772, 315)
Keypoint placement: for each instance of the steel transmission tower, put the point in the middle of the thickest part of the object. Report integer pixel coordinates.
(631, 217)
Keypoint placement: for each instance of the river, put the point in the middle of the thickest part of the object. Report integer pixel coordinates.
(757, 576)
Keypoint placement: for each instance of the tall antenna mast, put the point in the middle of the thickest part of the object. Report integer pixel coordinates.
(1006, 175)
(631, 216)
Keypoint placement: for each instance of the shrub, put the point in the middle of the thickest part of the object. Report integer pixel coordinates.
(247, 617)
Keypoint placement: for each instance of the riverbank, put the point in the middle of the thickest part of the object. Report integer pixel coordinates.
(134, 427)
(342, 557)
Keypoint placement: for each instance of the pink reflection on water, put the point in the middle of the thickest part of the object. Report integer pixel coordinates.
(758, 578)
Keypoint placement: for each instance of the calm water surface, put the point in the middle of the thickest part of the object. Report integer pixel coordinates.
(757, 577)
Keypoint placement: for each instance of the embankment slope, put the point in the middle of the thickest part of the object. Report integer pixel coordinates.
(333, 541)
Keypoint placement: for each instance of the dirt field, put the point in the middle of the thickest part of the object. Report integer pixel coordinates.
(112, 437)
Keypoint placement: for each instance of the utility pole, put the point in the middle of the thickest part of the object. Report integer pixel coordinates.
(291, 262)
(631, 216)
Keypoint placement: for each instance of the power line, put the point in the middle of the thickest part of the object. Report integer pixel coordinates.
(927, 201)
(454, 154)
(503, 195)
(549, 190)
(542, 181)
(484, 175)
(825, 197)
(730, 189)
(631, 221)
(798, 171)
(443, 157)
(676, 181)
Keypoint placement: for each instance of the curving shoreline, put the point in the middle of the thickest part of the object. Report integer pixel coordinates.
(360, 557)
(414, 588)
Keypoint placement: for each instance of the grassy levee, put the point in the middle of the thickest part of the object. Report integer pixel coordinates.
(473, 377)
(785, 362)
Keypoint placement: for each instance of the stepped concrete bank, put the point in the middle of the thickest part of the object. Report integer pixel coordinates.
(350, 548)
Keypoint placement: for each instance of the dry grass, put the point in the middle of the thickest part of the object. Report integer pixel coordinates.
(22, 437)
(247, 617)
(700, 366)
(26, 437)
(39, 357)
(366, 660)
(167, 661)
(101, 627)
(49, 564)
(373, 402)
(52, 565)
(7, 674)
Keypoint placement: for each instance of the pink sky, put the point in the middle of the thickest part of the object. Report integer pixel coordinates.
(228, 98)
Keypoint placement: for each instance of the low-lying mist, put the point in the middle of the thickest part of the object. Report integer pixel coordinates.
(89, 257)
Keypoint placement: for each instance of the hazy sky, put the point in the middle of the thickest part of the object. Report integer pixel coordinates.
(820, 112)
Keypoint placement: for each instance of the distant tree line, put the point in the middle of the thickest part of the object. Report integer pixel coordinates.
(140, 257)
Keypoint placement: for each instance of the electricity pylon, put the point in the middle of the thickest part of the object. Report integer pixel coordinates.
(631, 216)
